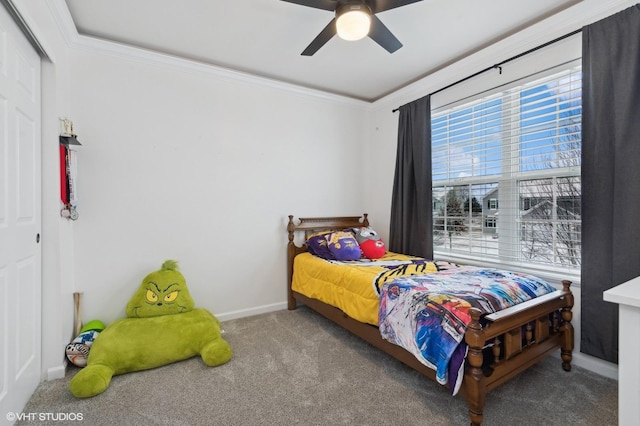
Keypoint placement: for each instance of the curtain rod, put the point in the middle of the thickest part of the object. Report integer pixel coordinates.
(499, 64)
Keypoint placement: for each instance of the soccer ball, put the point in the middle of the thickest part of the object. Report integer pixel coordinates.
(78, 350)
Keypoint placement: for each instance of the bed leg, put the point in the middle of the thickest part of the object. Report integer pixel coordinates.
(291, 303)
(566, 349)
(474, 388)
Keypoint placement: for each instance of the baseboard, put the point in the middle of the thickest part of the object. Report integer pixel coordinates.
(252, 311)
(57, 372)
(595, 365)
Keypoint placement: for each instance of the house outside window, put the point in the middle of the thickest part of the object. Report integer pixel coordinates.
(506, 174)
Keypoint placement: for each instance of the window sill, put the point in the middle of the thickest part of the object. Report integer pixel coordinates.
(552, 275)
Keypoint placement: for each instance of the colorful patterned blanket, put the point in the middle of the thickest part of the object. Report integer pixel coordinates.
(428, 314)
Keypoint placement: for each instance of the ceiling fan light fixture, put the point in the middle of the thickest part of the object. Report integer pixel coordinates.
(353, 22)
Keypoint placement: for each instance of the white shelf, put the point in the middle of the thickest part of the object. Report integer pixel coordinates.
(625, 294)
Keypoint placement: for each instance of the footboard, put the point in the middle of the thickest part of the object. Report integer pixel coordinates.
(514, 339)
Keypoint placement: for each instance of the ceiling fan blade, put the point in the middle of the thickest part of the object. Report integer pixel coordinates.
(318, 4)
(320, 40)
(381, 35)
(382, 5)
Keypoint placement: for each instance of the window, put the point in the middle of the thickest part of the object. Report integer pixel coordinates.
(506, 175)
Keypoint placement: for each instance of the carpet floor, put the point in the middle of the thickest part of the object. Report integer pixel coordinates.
(295, 367)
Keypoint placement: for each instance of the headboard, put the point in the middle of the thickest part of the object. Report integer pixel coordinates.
(309, 225)
(314, 224)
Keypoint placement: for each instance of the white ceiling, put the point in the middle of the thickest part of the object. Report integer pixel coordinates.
(266, 37)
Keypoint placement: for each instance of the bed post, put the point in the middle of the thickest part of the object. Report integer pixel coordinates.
(291, 252)
(475, 390)
(365, 219)
(566, 349)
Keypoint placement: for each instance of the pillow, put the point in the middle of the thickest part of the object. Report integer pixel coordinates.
(373, 249)
(365, 233)
(344, 246)
(319, 246)
(370, 243)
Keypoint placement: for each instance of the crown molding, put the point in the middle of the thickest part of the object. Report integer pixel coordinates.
(67, 27)
(583, 13)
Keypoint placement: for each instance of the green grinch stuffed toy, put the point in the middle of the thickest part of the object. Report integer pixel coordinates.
(162, 327)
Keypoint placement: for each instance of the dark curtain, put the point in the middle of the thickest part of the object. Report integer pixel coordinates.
(610, 173)
(411, 211)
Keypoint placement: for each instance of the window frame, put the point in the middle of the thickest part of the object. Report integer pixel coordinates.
(508, 197)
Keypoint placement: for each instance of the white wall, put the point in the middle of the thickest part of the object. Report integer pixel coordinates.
(183, 164)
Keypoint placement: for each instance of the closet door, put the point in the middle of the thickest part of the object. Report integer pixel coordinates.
(20, 252)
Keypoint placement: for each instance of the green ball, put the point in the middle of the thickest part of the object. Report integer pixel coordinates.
(96, 325)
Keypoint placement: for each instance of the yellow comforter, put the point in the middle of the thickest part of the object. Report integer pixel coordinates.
(353, 287)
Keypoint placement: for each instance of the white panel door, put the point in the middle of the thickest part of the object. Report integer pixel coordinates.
(20, 254)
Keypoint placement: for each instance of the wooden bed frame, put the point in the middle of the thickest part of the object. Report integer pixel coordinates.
(522, 334)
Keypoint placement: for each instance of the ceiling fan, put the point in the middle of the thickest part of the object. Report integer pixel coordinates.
(354, 20)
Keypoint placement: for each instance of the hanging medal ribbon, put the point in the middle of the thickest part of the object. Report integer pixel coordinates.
(68, 171)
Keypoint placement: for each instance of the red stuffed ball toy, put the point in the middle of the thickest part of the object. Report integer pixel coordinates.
(373, 249)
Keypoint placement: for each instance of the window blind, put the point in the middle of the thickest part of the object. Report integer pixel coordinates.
(506, 175)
